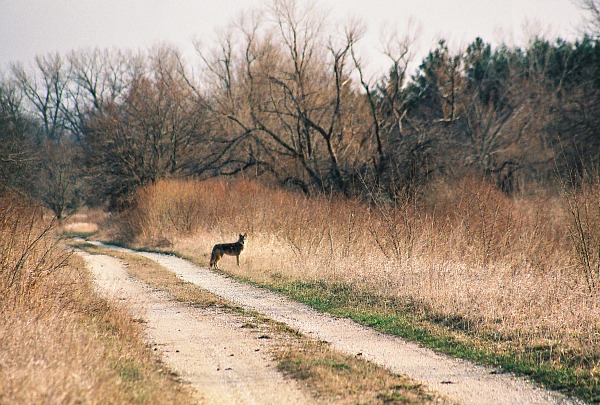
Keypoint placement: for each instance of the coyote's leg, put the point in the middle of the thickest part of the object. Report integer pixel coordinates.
(214, 258)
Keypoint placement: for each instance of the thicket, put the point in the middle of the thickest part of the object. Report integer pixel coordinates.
(284, 96)
(518, 276)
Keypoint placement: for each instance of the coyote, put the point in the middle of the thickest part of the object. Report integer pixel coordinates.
(231, 249)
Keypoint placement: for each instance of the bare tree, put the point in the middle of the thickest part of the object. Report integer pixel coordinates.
(46, 90)
(18, 155)
(58, 183)
(400, 140)
(285, 90)
(592, 7)
(154, 130)
(97, 77)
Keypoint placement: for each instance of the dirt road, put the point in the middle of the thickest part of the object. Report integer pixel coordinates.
(459, 380)
(208, 348)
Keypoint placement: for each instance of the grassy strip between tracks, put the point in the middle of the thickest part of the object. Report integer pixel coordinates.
(546, 364)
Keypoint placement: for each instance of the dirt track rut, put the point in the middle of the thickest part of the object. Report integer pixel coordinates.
(224, 363)
(459, 380)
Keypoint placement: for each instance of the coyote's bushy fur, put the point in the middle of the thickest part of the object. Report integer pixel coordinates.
(231, 249)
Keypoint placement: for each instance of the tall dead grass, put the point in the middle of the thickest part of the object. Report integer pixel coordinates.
(28, 254)
(583, 210)
(59, 342)
(506, 265)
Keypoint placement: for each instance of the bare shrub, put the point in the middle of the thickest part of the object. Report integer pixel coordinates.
(29, 252)
(583, 207)
(60, 342)
(393, 227)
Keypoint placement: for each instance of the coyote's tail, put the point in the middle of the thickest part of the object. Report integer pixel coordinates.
(213, 257)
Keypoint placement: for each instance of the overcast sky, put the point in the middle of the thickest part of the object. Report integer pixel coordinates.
(38, 27)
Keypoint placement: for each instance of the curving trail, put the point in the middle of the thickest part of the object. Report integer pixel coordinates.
(224, 363)
(459, 380)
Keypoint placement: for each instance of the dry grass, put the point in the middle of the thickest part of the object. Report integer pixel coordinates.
(469, 251)
(83, 223)
(59, 342)
(80, 228)
(510, 269)
(335, 378)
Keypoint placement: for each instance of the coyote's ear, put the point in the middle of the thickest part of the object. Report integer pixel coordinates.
(245, 235)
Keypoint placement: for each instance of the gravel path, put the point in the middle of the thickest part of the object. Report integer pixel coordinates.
(459, 380)
(208, 348)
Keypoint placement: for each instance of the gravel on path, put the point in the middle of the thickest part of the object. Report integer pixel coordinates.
(208, 348)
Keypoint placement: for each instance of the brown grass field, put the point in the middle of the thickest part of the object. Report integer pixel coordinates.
(59, 342)
(509, 265)
(514, 275)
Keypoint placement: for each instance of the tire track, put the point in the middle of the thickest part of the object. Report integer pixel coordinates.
(223, 362)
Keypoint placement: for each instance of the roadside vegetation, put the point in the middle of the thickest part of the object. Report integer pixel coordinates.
(60, 342)
(455, 203)
(509, 281)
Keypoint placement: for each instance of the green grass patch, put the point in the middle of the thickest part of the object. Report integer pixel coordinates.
(572, 373)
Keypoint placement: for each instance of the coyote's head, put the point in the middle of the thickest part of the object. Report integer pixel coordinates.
(242, 238)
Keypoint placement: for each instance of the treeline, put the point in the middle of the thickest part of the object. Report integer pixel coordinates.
(283, 97)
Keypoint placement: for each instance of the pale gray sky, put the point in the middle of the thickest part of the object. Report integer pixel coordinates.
(38, 27)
